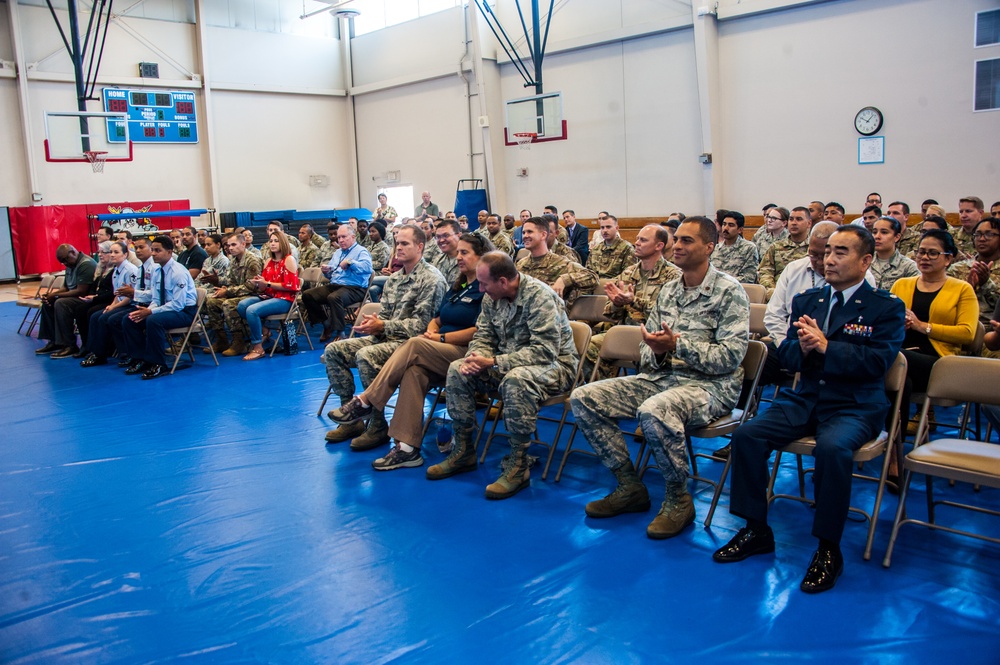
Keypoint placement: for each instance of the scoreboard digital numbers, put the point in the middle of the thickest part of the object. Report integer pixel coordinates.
(154, 116)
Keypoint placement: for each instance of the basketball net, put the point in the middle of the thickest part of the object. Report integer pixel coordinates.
(96, 159)
(524, 139)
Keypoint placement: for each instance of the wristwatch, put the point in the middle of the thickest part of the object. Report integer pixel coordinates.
(927, 330)
(442, 338)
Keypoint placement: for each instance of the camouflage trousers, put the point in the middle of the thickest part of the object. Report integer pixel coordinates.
(222, 314)
(522, 389)
(664, 408)
(365, 353)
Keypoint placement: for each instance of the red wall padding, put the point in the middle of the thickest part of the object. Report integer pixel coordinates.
(37, 231)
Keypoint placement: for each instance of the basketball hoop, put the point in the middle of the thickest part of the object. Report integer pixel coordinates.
(96, 159)
(524, 139)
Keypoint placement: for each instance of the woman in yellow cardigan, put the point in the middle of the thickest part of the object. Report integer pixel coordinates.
(941, 312)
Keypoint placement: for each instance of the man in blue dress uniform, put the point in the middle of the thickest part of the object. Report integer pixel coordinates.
(843, 339)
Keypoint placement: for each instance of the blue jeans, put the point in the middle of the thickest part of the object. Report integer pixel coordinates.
(253, 309)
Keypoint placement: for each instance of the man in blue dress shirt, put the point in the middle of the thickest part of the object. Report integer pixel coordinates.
(174, 304)
(349, 271)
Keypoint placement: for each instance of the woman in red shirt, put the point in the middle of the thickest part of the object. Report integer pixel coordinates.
(276, 288)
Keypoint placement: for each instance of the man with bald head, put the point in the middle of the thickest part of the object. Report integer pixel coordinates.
(62, 307)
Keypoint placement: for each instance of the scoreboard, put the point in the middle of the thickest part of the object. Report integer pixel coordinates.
(154, 116)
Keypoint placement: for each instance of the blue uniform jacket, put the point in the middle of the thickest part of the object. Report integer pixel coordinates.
(864, 339)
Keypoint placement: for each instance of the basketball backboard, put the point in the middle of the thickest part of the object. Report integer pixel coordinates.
(539, 114)
(68, 134)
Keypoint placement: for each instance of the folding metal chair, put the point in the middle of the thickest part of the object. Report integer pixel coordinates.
(50, 282)
(581, 339)
(368, 309)
(961, 379)
(620, 348)
(294, 313)
(894, 381)
(756, 293)
(589, 308)
(197, 327)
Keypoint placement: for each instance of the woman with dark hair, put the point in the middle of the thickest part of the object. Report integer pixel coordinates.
(276, 286)
(889, 265)
(423, 360)
(941, 313)
(99, 344)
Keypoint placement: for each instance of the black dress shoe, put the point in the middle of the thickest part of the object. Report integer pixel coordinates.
(744, 544)
(137, 367)
(48, 348)
(826, 567)
(93, 360)
(155, 372)
(124, 361)
(82, 353)
(65, 352)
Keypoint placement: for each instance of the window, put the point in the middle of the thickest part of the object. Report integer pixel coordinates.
(378, 14)
(988, 27)
(987, 94)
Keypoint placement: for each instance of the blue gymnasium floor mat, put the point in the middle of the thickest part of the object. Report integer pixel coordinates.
(200, 518)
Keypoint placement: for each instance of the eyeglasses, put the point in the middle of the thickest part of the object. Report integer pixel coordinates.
(931, 253)
(771, 218)
(985, 235)
(443, 236)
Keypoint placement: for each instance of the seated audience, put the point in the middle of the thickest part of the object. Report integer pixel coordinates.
(983, 271)
(100, 343)
(412, 295)
(734, 254)
(773, 230)
(567, 278)
(611, 254)
(236, 284)
(692, 345)
(941, 313)
(173, 305)
(349, 272)
(277, 285)
(421, 361)
(889, 265)
(843, 339)
(62, 307)
(523, 348)
(786, 250)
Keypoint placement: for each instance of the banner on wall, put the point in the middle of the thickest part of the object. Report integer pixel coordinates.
(37, 231)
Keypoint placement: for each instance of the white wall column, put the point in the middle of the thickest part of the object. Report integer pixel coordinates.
(209, 122)
(21, 72)
(346, 18)
(706, 48)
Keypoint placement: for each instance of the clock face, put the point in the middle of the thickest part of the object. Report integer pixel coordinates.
(868, 121)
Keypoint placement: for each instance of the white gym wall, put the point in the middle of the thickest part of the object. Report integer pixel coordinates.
(791, 76)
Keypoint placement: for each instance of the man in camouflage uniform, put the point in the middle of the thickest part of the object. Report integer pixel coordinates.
(446, 235)
(783, 252)
(234, 286)
(983, 271)
(970, 213)
(495, 234)
(614, 254)
(523, 348)
(631, 297)
(690, 374)
(329, 246)
(911, 236)
(308, 251)
(568, 279)
(409, 301)
(735, 254)
(773, 230)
